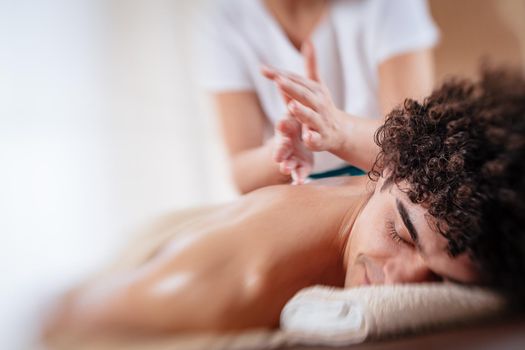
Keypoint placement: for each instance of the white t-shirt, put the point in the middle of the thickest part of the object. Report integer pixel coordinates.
(238, 36)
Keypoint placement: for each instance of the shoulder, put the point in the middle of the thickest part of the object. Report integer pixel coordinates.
(342, 181)
(317, 191)
(235, 24)
(231, 12)
(391, 10)
(372, 8)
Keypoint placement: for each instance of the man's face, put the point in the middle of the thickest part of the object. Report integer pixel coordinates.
(392, 242)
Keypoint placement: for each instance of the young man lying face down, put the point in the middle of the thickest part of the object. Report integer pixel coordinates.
(444, 202)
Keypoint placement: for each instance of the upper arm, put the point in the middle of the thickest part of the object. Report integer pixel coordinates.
(241, 118)
(409, 75)
(401, 35)
(226, 67)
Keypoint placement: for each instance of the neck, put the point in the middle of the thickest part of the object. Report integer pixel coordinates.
(348, 224)
(351, 196)
(297, 18)
(354, 205)
(292, 7)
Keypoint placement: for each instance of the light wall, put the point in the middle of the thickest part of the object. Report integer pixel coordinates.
(102, 129)
(472, 30)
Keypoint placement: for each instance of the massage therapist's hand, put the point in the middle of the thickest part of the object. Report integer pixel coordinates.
(289, 151)
(325, 126)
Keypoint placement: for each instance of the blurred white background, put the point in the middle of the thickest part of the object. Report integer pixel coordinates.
(101, 129)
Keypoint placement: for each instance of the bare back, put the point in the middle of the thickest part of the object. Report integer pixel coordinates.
(232, 266)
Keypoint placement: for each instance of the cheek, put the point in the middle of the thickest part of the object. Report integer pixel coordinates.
(369, 251)
(371, 240)
(369, 236)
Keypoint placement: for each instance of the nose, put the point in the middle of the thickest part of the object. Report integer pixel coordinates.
(413, 270)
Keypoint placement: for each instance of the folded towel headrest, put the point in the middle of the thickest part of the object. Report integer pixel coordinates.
(329, 316)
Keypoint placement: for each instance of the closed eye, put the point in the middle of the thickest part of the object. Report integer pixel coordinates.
(391, 230)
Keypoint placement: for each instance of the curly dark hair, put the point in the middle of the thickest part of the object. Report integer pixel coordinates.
(462, 152)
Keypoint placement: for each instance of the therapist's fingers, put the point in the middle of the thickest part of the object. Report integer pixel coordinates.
(272, 74)
(312, 85)
(287, 167)
(300, 174)
(275, 74)
(287, 130)
(283, 169)
(308, 51)
(269, 72)
(305, 115)
(288, 126)
(298, 92)
(283, 149)
(314, 141)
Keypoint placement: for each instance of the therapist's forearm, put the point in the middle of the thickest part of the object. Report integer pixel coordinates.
(255, 168)
(409, 75)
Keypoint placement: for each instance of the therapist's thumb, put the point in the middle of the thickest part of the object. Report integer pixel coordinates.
(308, 51)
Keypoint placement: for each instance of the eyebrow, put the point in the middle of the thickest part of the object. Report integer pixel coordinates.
(403, 212)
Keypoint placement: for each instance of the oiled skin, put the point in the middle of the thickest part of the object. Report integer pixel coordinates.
(231, 267)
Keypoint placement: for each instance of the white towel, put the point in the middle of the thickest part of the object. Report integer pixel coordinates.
(329, 316)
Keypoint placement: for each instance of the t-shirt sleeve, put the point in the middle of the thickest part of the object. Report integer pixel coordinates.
(221, 55)
(399, 27)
